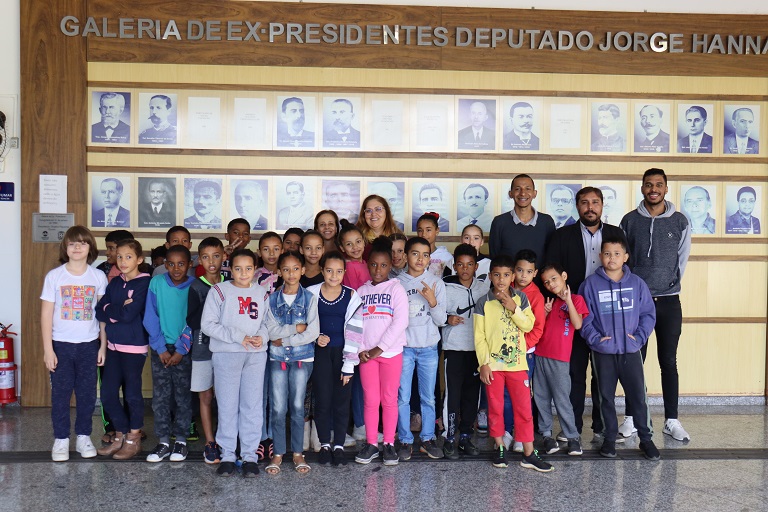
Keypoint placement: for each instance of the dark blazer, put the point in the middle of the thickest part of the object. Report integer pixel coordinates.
(660, 144)
(512, 141)
(122, 220)
(120, 135)
(332, 138)
(305, 140)
(148, 217)
(467, 139)
(730, 145)
(684, 144)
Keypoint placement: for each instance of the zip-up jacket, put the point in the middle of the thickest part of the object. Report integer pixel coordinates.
(460, 301)
(500, 333)
(124, 327)
(423, 321)
(282, 319)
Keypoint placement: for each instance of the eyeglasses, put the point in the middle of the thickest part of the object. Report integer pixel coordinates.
(77, 245)
(369, 211)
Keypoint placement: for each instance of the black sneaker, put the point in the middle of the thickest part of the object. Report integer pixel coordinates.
(500, 457)
(324, 457)
(193, 435)
(549, 445)
(431, 449)
(160, 452)
(390, 455)
(226, 469)
(608, 449)
(339, 457)
(574, 447)
(250, 469)
(211, 453)
(467, 447)
(449, 450)
(561, 437)
(367, 454)
(533, 461)
(649, 450)
(179, 452)
(405, 452)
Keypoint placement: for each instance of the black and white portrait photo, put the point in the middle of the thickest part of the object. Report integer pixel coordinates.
(394, 193)
(743, 209)
(157, 202)
(111, 117)
(110, 201)
(431, 196)
(477, 122)
(158, 116)
(295, 122)
(474, 205)
(202, 203)
(741, 130)
(652, 127)
(248, 199)
(342, 121)
(561, 203)
(699, 204)
(615, 200)
(295, 201)
(609, 127)
(521, 124)
(343, 197)
(694, 128)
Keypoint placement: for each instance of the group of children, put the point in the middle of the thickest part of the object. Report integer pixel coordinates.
(352, 319)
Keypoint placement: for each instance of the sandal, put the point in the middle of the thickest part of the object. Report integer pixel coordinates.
(300, 464)
(274, 465)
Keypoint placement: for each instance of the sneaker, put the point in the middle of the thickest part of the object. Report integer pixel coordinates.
(649, 450)
(250, 469)
(500, 457)
(608, 449)
(85, 447)
(60, 450)
(482, 421)
(324, 458)
(672, 427)
(517, 447)
(561, 437)
(359, 433)
(226, 469)
(574, 447)
(405, 451)
(211, 453)
(349, 441)
(467, 447)
(431, 449)
(160, 452)
(627, 428)
(415, 422)
(533, 461)
(314, 440)
(449, 450)
(507, 439)
(599, 438)
(193, 435)
(549, 446)
(179, 453)
(339, 458)
(390, 455)
(367, 454)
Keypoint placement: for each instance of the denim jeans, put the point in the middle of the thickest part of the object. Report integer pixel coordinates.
(425, 361)
(288, 385)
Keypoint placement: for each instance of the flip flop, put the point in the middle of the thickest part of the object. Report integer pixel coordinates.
(274, 466)
(300, 465)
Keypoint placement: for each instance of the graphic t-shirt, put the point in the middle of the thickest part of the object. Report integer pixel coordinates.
(74, 298)
(557, 340)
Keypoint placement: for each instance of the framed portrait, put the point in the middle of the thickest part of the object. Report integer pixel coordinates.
(743, 209)
(386, 122)
(203, 207)
(394, 192)
(204, 113)
(296, 201)
(475, 204)
(652, 124)
(698, 202)
(432, 196)
(521, 121)
(560, 202)
(342, 121)
(696, 125)
(741, 129)
(250, 120)
(295, 121)
(507, 203)
(156, 201)
(249, 199)
(432, 123)
(616, 200)
(110, 201)
(110, 117)
(342, 196)
(567, 125)
(609, 127)
(476, 122)
(158, 118)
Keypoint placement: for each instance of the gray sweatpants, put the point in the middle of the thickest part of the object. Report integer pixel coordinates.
(239, 381)
(552, 382)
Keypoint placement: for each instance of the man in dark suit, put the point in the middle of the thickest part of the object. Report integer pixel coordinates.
(739, 142)
(431, 200)
(291, 132)
(569, 247)
(111, 129)
(250, 203)
(696, 141)
(607, 137)
(342, 134)
(521, 137)
(477, 135)
(652, 139)
(160, 209)
(561, 203)
(161, 131)
(112, 215)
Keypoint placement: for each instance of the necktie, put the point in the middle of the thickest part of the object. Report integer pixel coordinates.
(109, 220)
(156, 210)
(477, 136)
(742, 149)
(109, 131)
(473, 221)
(694, 146)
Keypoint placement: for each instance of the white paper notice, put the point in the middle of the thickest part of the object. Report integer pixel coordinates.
(387, 123)
(204, 121)
(565, 126)
(250, 123)
(53, 193)
(432, 123)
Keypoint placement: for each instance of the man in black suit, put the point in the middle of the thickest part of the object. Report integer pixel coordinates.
(521, 137)
(161, 131)
(112, 215)
(569, 247)
(652, 139)
(696, 141)
(477, 135)
(159, 211)
(739, 142)
(291, 132)
(561, 202)
(342, 134)
(250, 203)
(431, 200)
(111, 130)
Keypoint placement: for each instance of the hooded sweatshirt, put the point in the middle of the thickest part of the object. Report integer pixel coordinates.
(423, 321)
(125, 331)
(460, 301)
(617, 309)
(165, 316)
(658, 247)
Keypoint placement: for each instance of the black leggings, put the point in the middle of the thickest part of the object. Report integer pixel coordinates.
(462, 389)
(332, 398)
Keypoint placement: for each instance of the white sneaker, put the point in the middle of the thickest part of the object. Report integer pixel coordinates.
(507, 439)
(314, 440)
(672, 427)
(359, 433)
(85, 447)
(60, 451)
(349, 441)
(628, 427)
(517, 447)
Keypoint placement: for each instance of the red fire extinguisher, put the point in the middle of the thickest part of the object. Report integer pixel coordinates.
(7, 367)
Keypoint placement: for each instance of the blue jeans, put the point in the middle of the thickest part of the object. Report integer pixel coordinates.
(509, 418)
(287, 388)
(425, 360)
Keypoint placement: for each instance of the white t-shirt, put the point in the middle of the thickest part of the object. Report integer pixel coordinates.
(74, 299)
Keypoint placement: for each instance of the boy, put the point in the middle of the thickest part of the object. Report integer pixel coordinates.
(502, 317)
(553, 354)
(292, 239)
(109, 267)
(211, 257)
(622, 319)
(164, 320)
(238, 236)
(426, 305)
(462, 384)
(177, 235)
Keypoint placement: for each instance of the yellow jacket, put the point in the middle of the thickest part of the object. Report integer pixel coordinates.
(500, 334)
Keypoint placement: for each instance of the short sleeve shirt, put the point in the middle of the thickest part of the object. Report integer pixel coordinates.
(557, 340)
(74, 299)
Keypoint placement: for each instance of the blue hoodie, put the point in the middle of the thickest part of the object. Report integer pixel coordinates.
(617, 309)
(165, 315)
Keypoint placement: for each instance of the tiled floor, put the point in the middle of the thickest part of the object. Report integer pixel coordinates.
(724, 467)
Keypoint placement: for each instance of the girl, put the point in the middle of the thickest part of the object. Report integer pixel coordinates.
(270, 248)
(327, 224)
(352, 245)
(399, 260)
(379, 329)
(336, 304)
(233, 318)
(121, 310)
(441, 261)
(472, 234)
(73, 343)
(293, 328)
(312, 247)
(375, 220)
